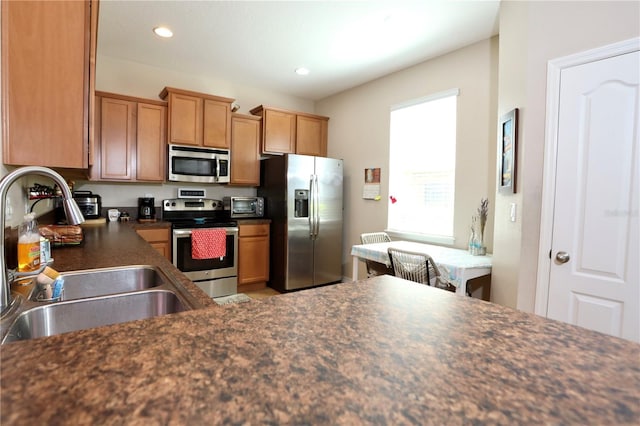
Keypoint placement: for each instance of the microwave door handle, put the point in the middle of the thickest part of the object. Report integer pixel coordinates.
(215, 168)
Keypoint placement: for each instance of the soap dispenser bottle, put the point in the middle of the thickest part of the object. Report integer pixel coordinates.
(28, 244)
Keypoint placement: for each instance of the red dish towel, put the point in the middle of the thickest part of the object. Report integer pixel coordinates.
(208, 243)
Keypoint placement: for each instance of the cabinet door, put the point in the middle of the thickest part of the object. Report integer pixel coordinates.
(158, 239)
(279, 132)
(151, 142)
(117, 139)
(253, 254)
(311, 136)
(46, 60)
(185, 119)
(217, 124)
(245, 151)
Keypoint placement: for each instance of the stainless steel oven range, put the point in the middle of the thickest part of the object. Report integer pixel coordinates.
(218, 276)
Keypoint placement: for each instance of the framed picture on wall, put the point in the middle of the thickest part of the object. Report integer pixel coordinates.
(507, 133)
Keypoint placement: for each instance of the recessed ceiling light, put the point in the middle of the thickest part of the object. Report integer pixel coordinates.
(302, 71)
(163, 32)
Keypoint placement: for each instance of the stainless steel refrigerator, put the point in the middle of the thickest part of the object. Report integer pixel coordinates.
(303, 199)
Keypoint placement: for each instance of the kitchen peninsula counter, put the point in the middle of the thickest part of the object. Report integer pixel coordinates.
(379, 351)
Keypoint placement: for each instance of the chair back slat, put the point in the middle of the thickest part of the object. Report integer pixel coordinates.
(375, 268)
(374, 237)
(418, 267)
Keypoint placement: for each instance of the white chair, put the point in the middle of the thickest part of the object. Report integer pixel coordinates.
(418, 267)
(376, 268)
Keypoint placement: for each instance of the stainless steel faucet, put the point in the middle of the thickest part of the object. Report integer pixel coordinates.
(71, 210)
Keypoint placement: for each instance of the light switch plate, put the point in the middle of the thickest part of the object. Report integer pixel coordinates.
(512, 212)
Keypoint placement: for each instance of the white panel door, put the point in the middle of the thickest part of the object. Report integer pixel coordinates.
(595, 262)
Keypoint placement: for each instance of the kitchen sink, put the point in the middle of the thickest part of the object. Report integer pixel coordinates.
(74, 315)
(94, 298)
(99, 282)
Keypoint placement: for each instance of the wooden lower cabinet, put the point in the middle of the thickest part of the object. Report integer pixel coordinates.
(253, 256)
(159, 239)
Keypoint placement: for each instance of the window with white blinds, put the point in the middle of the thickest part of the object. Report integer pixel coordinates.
(422, 166)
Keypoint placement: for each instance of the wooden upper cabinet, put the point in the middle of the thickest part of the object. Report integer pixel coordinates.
(245, 150)
(130, 139)
(185, 119)
(311, 135)
(278, 130)
(151, 141)
(292, 132)
(216, 124)
(198, 119)
(117, 138)
(48, 56)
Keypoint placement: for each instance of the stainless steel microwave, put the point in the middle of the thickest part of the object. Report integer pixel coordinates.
(198, 164)
(240, 207)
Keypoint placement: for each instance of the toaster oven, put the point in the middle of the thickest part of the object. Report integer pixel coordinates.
(244, 207)
(89, 203)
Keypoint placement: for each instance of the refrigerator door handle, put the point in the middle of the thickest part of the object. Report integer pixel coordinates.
(313, 208)
(316, 207)
(312, 216)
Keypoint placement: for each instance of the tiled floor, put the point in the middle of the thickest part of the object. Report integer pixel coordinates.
(262, 294)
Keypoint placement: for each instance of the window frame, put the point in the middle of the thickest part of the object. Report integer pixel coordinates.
(401, 234)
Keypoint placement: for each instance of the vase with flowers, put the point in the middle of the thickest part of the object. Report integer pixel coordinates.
(478, 223)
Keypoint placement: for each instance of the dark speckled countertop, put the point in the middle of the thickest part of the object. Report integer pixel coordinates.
(380, 351)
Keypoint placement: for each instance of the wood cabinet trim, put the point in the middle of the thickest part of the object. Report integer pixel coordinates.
(259, 110)
(167, 90)
(245, 116)
(131, 98)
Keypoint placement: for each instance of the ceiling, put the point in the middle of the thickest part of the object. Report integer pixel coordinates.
(260, 43)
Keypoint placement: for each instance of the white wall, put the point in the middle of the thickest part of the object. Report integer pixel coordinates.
(531, 34)
(359, 133)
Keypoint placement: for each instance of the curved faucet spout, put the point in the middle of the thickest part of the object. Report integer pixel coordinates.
(71, 209)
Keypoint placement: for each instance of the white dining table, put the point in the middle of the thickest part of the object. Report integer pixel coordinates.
(458, 265)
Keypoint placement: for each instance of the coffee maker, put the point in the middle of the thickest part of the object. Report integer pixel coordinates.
(146, 208)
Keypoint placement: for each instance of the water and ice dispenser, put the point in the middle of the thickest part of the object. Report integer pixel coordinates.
(301, 203)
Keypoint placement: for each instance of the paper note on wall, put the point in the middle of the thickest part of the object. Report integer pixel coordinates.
(371, 189)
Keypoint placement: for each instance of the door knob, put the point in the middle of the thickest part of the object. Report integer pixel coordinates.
(562, 257)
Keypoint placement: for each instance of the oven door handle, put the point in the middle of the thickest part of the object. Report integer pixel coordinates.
(186, 232)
